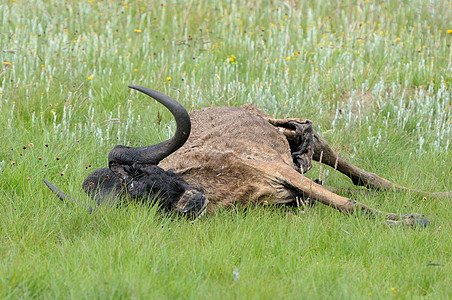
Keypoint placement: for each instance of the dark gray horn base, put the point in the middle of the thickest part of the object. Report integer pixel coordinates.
(152, 155)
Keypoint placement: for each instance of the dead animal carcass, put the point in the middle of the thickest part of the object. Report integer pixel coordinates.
(225, 156)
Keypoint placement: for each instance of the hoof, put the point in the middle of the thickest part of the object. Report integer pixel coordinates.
(412, 220)
(422, 222)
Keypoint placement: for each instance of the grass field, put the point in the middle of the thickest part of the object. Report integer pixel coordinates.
(374, 76)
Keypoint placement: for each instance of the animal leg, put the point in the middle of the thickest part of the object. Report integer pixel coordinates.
(308, 188)
(291, 129)
(357, 175)
(299, 132)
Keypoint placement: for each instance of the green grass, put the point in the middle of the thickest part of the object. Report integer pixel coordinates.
(374, 76)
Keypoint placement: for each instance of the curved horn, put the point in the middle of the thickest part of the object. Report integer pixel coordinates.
(153, 154)
(63, 196)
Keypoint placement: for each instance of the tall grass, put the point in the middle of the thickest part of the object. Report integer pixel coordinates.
(374, 76)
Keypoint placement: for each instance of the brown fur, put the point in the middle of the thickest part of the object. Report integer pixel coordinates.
(241, 155)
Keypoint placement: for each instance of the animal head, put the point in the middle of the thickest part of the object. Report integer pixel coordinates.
(133, 171)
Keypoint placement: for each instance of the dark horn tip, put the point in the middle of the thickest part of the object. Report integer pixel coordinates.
(48, 183)
(55, 190)
(136, 87)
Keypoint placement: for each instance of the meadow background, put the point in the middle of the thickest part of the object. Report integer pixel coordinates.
(374, 76)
